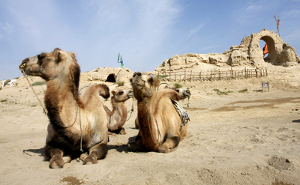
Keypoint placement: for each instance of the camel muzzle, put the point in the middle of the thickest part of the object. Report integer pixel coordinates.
(23, 64)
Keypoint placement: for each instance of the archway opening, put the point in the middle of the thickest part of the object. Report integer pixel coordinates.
(263, 46)
(271, 56)
(111, 78)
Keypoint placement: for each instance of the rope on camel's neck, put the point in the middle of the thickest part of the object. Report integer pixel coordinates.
(46, 112)
(44, 109)
(132, 109)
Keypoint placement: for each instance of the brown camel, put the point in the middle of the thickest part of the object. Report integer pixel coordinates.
(160, 126)
(78, 124)
(183, 93)
(117, 117)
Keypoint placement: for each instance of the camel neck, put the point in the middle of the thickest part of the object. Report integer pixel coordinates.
(119, 111)
(148, 128)
(60, 101)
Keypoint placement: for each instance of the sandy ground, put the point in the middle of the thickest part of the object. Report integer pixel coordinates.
(249, 137)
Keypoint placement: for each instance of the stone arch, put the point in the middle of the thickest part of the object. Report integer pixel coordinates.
(275, 45)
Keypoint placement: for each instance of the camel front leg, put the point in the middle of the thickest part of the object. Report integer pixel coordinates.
(56, 156)
(169, 144)
(98, 151)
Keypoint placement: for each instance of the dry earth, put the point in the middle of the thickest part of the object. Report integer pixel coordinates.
(246, 137)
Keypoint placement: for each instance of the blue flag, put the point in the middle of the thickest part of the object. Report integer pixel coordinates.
(120, 60)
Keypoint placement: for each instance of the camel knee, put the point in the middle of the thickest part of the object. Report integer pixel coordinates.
(169, 144)
(101, 151)
(51, 151)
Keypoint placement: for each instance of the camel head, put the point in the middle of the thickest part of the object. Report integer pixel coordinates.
(143, 85)
(56, 64)
(121, 95)
(184, 93)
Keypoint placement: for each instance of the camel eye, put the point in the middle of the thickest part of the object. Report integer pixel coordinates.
(120, 93)
(177, 90)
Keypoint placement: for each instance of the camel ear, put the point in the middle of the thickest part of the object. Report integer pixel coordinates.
(113, 92)
(153, 81)
(144, 78)
(73, 56)
(60, 56)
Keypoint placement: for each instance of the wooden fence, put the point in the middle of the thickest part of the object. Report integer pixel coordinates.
(212, 75)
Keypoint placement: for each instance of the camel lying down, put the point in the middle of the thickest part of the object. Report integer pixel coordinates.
(118, 116)
(183, 92)
(78, 124)
(160, 126)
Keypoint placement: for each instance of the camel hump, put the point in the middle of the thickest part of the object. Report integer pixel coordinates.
(103, 90)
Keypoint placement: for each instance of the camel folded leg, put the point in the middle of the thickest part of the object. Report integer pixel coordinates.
(98, 151)
(169, 144)
(117, 131)
(56, 157)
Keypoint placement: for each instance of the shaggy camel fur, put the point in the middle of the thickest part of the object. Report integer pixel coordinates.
(183, 93)
(117, 117)
(159, 122)
(75, 121)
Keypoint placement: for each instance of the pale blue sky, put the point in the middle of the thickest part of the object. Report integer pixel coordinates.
(146, 32)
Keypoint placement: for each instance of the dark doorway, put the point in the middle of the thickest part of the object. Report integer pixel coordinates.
(111, 78)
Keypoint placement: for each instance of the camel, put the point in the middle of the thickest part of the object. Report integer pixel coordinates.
(160, 126)
(117, 117)
(78, 123)
(183, 92)
(9, 82)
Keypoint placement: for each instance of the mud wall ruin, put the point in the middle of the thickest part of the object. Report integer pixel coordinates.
(247, 53)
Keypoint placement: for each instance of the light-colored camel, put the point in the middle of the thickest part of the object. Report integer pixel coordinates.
(183, 92)
(160, 126)
(118, 116)
(9, 82)
(76, 122)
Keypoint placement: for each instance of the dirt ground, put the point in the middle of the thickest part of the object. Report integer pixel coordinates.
(245, 137)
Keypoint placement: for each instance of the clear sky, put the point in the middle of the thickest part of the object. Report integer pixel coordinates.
(145, 32)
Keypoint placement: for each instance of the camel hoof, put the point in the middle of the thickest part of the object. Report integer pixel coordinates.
(163, 149)
(56, 163)
(89, 160)
(83, 156)
(122, 132)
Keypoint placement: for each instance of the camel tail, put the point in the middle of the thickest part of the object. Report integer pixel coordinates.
(103, 90)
